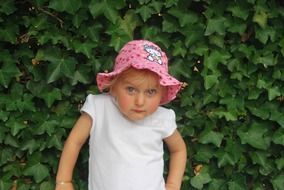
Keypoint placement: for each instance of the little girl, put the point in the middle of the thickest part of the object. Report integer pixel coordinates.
(127, 126)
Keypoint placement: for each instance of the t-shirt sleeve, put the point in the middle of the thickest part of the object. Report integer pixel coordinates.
(170, 124)
(89, 106)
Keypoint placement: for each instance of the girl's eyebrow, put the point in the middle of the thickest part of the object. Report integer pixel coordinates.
(128, 82)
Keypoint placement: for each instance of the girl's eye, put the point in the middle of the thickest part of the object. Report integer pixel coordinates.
(130, 89)
(151, 92)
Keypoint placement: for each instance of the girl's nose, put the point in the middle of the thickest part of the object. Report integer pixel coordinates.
(140, 98)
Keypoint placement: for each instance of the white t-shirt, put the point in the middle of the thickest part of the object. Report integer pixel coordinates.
(124, 154)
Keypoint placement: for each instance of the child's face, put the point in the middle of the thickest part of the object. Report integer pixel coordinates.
(138, 96)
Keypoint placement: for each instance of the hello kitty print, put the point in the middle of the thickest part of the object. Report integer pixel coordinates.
(154, 54)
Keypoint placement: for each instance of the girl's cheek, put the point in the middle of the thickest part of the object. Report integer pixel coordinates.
(123, 103)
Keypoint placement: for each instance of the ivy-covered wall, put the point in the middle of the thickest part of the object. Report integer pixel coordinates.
(230, 53)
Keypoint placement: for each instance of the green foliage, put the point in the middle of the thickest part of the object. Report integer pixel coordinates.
(230, 53)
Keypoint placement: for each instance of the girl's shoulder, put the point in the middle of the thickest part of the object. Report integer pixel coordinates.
(98, 97)
(164, 113)
(98, 101)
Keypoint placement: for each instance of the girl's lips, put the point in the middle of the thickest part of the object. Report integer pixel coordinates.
(138, 111)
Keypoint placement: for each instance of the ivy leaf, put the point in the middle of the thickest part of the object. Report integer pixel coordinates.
(230, 155)
(141, 2)
(204, 153)
(145, 12)
(210, 81)
(4, 117)
(7, 7)
(47, 127)
(70, 6)
(255, 136)
(262, 112)
(209, 136)
(107, 8)
(260, 17)
(118, 41)
(157, 5)
(46, 185)
(254, 93)
(225, 158)
(36, 88)
(185, 18)
(55, 141)
(15, 126)
(11, 141)
(217, 25)
(6, 155)
(111, 14)
(217, 40)
(129, 22)
(278, 182)
(277, 74)
(9, 32)
(265, 34)
(277, 116)
(8, 69)
(280, 163)
(233, 103)
(281, 44)
(85, 48)
(169, 25)
(214, 59)
(273, 92)
(79, 18)
(278, 136)
(201, 49)
(195, 35)
(200, 180)
(237, 26)
(229, 115)
(38, 171)
(266, 60)
(124, 32)
(56, 38)
(217, 184)
(96, 8)
(171, 3)
(239, 11)
(179, 49)
(262, 158)
(30, 146)
(81, 75)
(5, 185)
(59, 65)
(26, 103)
(64, 66)
(237, 183)
(188, 18)
(51, 96)
(3, 132)
(91, 32)
(37, 24)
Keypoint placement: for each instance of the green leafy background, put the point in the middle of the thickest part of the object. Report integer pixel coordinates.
(230, 53)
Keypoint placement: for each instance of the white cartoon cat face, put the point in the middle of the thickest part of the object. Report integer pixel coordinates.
(155, 54)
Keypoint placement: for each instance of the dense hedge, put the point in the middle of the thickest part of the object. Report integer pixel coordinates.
(230, 53)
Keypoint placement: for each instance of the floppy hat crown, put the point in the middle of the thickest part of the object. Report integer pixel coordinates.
(143, 54)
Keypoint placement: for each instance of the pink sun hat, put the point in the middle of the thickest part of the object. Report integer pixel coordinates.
(143, 54)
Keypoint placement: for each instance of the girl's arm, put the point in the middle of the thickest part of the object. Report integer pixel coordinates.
(72, 147)
(177, 150)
